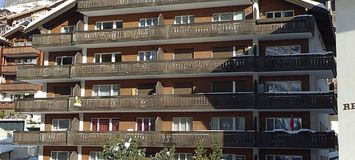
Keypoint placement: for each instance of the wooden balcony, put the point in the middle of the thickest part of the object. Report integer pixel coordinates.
(172, 32)
(12, 69)
(196, 30)
(240, 64)
(52, 40)
(191, 102)
(19, 87)
(43, 72)
(296, 62)
(111, 4)
(7, 106)
(305, 100)
(20, 51)
(40, 138)
(42, 105)
(182, 139)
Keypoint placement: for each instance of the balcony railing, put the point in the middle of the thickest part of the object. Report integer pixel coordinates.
(239, 64)
(40, 138)
(296, 62)
(107, 4)
(182, 102)
(7, 105)
(13, 68)
(42, 105)
(165, 102)
(43, 72)
(54, 39)
(196, 30)
(14, 51)
(19, 87)
(183, 139)
(295, 100)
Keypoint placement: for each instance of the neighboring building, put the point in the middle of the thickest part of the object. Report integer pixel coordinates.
(255, 73)
(346, 99)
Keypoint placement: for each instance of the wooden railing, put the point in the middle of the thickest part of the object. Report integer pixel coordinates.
(296, 62)
(96, 4)
(295, 100)
(40, 138)
(13, 68)
(43, 72)
(239, 64)
(182, 102)
(165, 102)
(7, 106)
(166, 32)
(9, 51)
(42, 105)
(182, 139)
(54, 39)
(19, 87)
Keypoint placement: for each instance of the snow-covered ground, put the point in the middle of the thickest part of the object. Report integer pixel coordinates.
(25, 6)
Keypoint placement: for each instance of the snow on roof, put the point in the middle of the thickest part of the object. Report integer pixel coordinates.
(28, 11)
(318, 4)
(42, 19)
(23, 7)
(6, 148)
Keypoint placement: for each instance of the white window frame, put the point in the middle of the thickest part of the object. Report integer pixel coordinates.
(150, 122)
(235, 14)
(186, 155)
(289, 156)
(282, 13)
(61, 59)
(102, 26)
(178, 120)
(113, 57)
(97, 155)
(106, 85)
(274, 119)
(234, 123)
(189, 19)
(234, 157)
(69, 26)
(57, 152)
(146, 22)
(57, 129)
(289, 85)
(98, 123)
(288, 47)
(145, 57)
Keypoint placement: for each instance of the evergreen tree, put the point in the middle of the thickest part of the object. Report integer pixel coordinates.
(216, 149)
(200, 151)
(166, 154)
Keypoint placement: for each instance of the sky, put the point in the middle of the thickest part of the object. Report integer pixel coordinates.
(2, 3)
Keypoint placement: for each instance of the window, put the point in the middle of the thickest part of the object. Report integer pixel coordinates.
(290, 124)
(64, 60)
(147, 55)
(232, 157)
(107, 57)
(96, 156)
(59, 155)
(222, 86)
(182, 124)
(183, 156)
(228, 123)
(104, 124)
(68, 29)
(147, 22)
(184, 19)
(106, 90)
(283, 157)
(29, 60)
(283, 86)
(283, 50)
(229, 16)
(61, 124)
(145, 124)
(279, 14)
(109, 25)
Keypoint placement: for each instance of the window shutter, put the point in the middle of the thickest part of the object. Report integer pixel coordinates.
(184, 53)
(223, 52)
(183, 88)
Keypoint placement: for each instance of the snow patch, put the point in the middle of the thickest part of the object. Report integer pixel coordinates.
(321, 5)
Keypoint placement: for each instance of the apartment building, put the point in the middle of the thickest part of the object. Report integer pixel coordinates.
(254, 73)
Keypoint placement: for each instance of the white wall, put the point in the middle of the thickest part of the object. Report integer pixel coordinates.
(346, 76)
